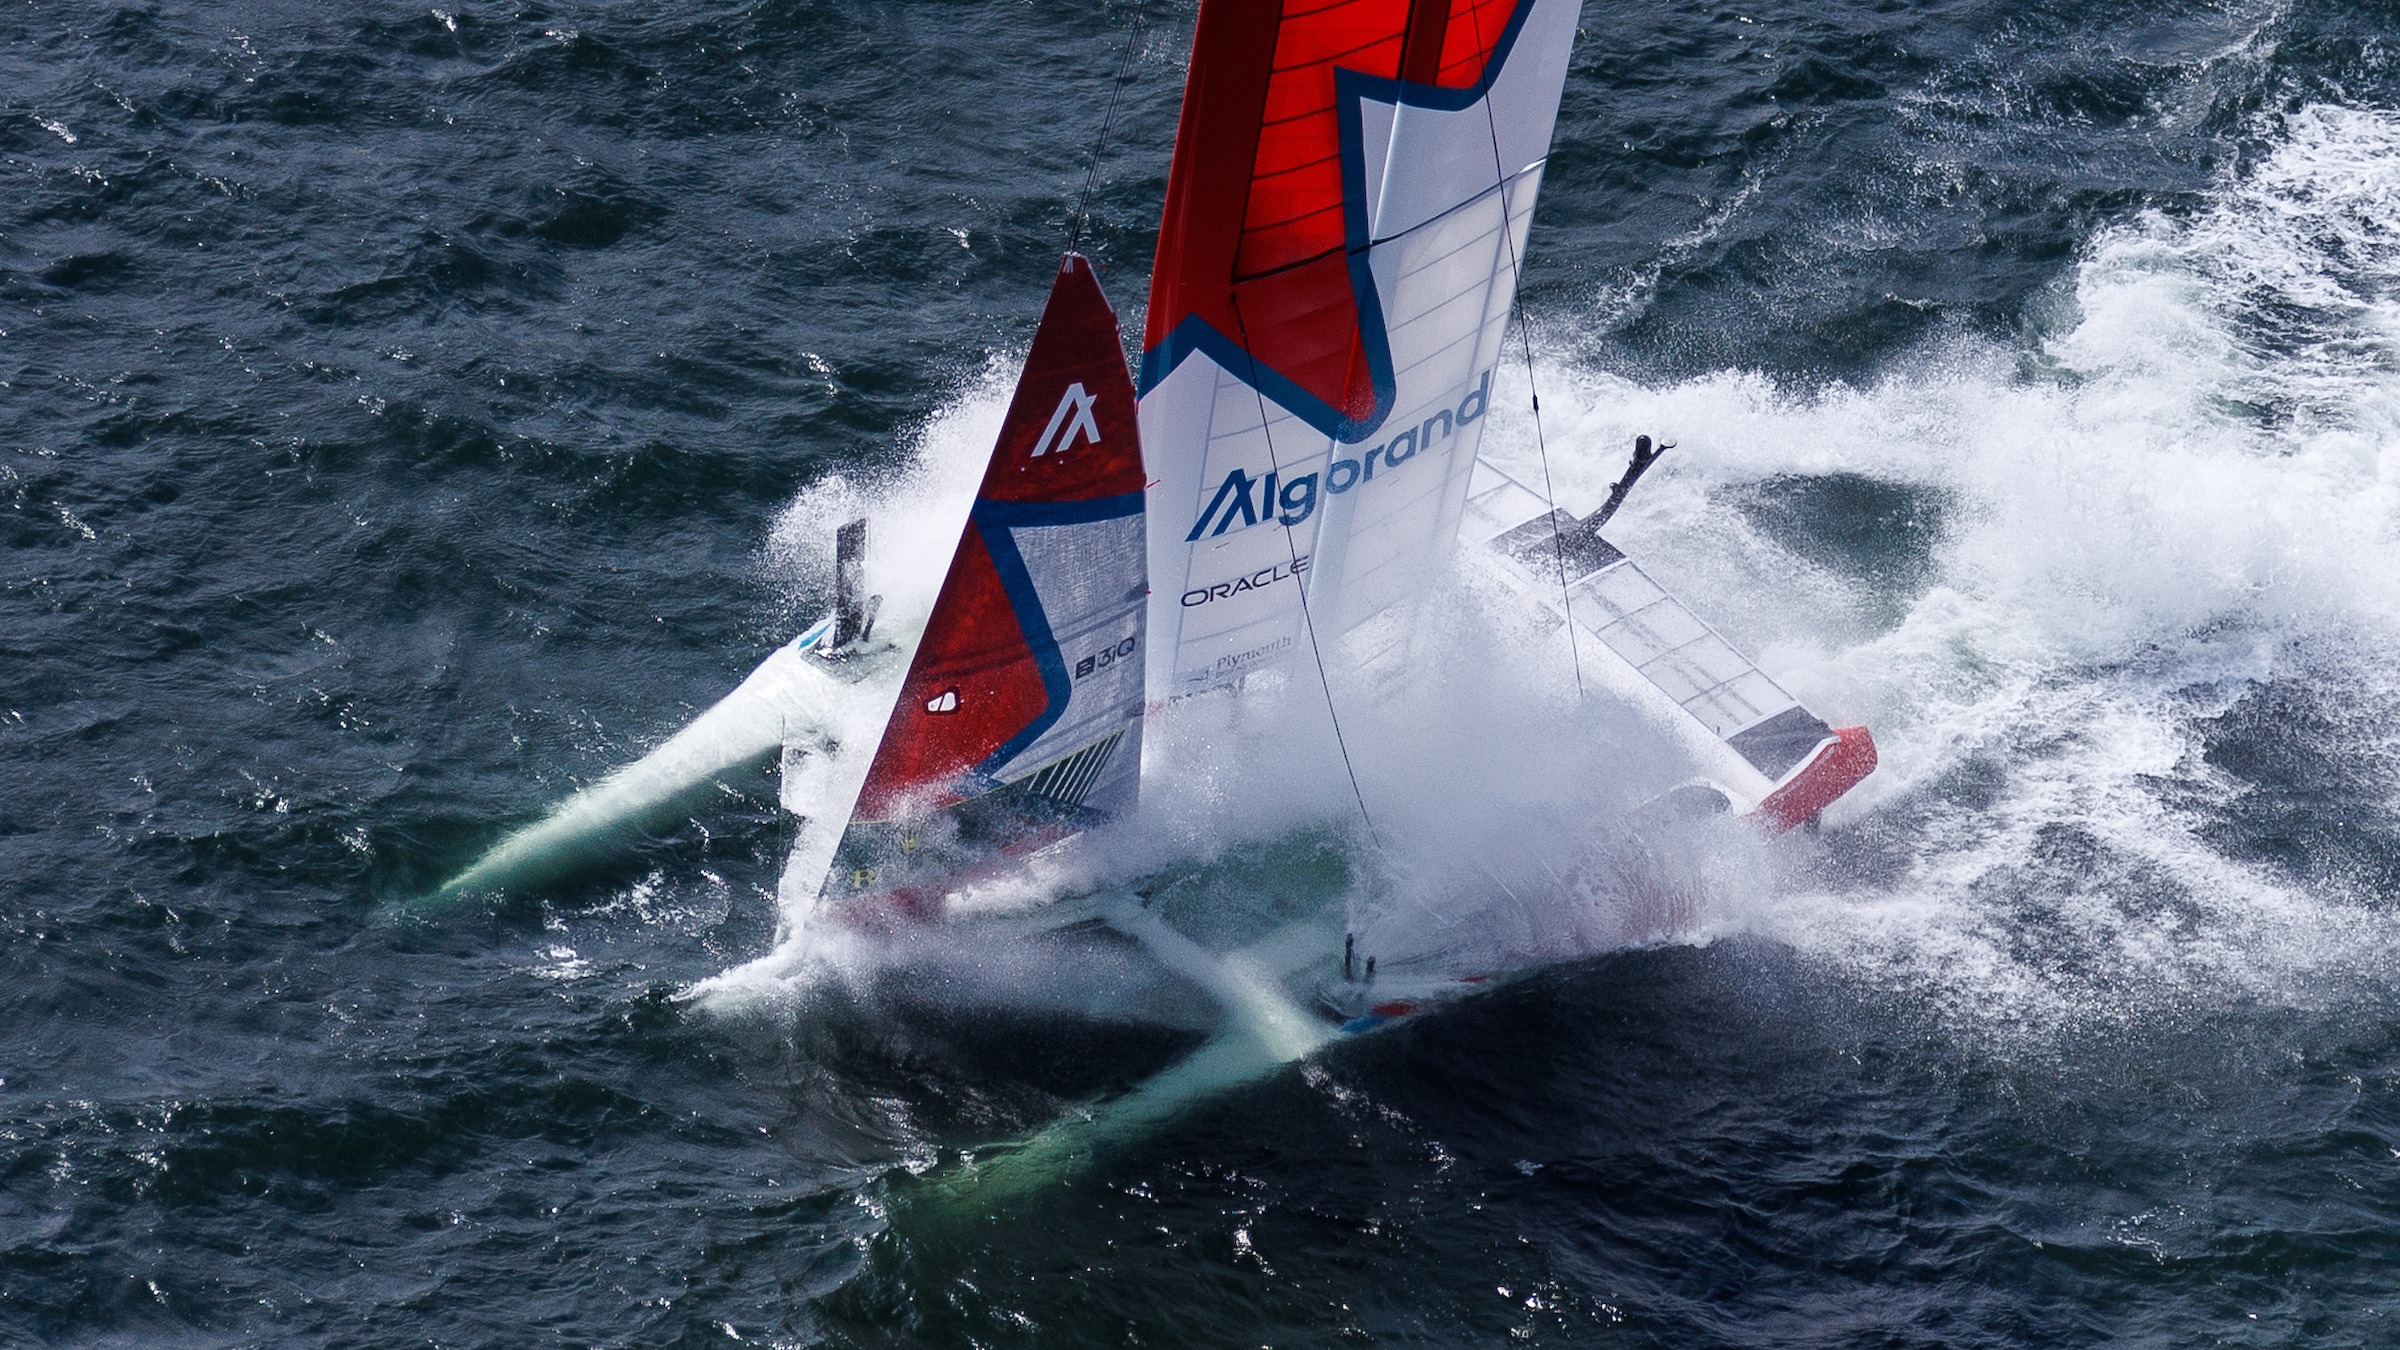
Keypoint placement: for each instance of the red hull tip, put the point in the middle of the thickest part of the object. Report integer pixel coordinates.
(1837, 766)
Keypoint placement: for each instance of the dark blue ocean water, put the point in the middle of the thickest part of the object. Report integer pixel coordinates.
(397, 412)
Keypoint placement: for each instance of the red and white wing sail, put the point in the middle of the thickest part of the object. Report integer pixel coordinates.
(1344, 228)
(1020, 718)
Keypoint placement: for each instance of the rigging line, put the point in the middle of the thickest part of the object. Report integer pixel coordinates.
(1508, 232)
(1308, 618)
(1091, 172)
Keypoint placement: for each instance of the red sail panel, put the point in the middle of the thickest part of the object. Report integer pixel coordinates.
(1255, 236)
(1069, 435)
(973, 686)
(1473, 33)
(1295, 207)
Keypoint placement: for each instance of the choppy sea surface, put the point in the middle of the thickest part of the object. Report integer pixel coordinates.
(410, 414)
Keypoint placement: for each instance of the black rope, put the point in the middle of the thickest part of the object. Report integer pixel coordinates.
(1091, 173)
(1308, 620)
(1558, 549)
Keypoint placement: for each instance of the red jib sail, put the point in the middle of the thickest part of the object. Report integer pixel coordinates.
(1020, 719)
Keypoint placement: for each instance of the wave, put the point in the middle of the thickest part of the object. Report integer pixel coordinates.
(2176, 497)
(2088, 550)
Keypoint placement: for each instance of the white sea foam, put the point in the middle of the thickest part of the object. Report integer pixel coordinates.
(2176, 492)
(914, 512)
(2186, 487)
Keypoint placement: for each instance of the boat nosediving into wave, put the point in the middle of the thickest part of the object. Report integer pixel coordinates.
(1346, 214)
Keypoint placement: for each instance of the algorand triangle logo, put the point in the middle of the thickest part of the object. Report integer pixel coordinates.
(1073, 418)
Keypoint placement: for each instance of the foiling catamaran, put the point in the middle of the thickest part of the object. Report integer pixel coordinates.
(1345, 222)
